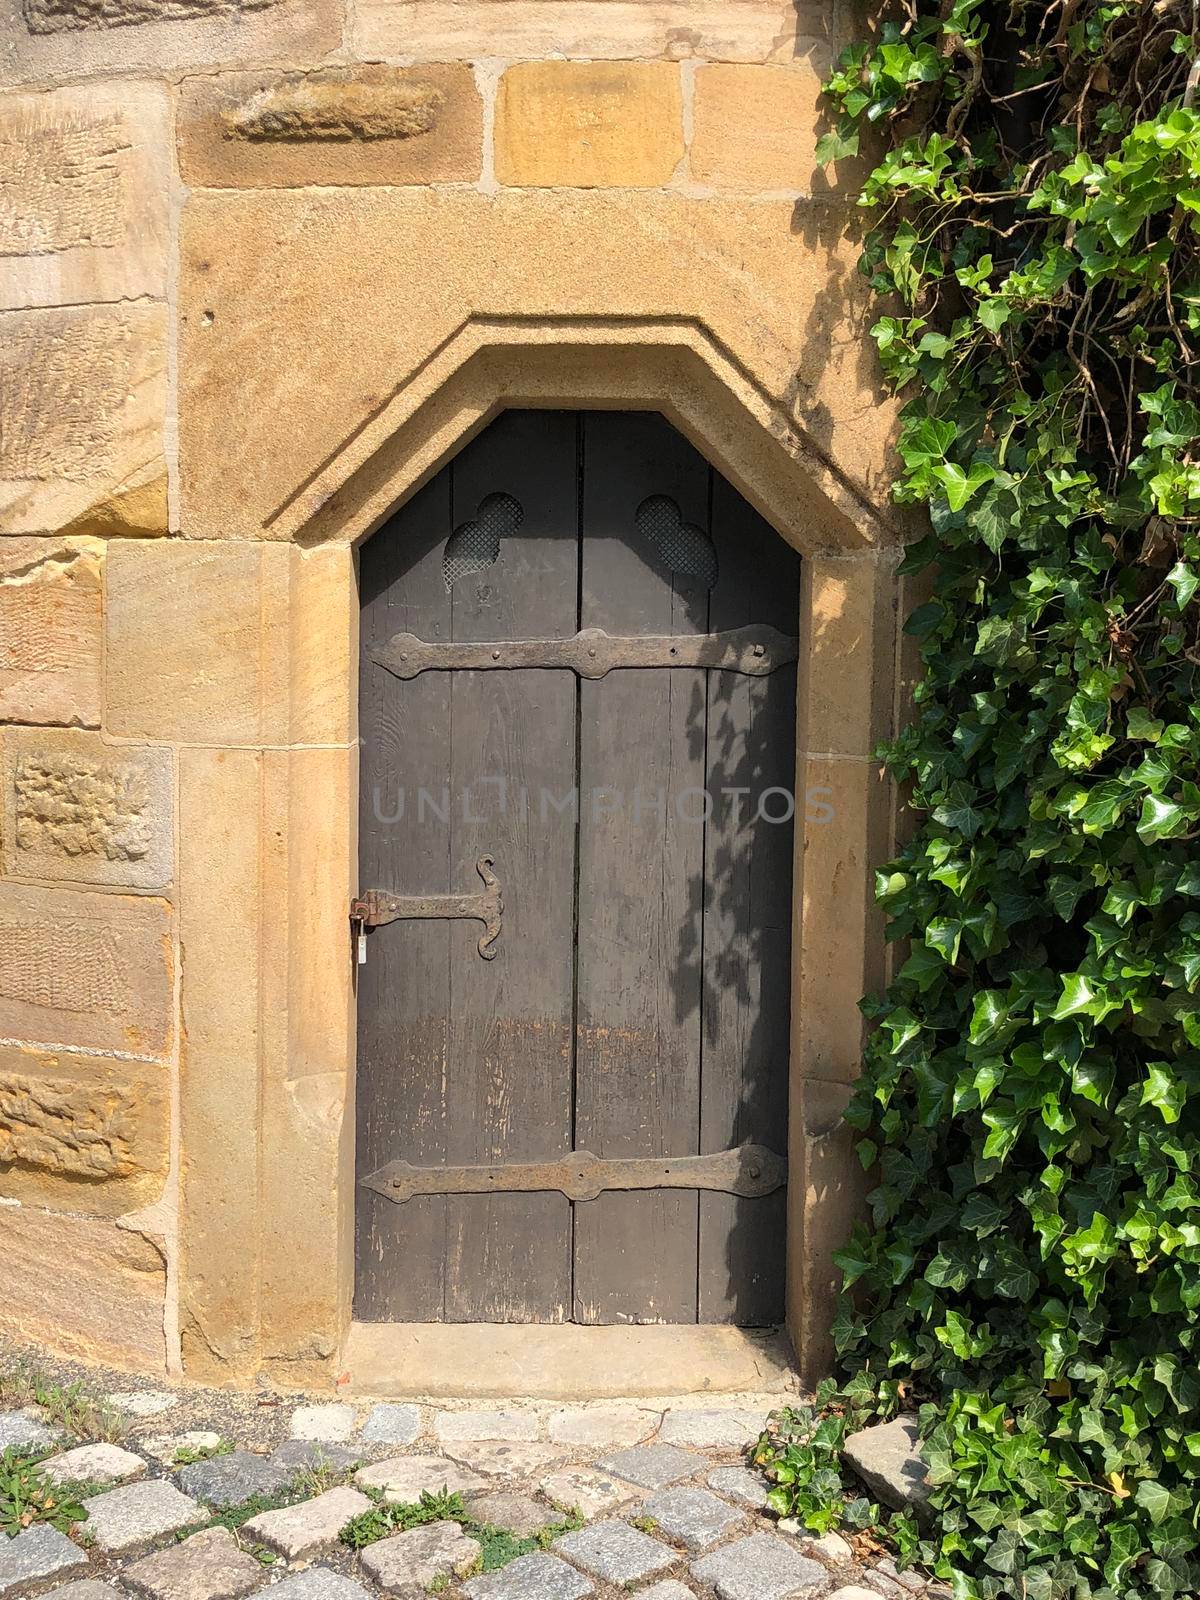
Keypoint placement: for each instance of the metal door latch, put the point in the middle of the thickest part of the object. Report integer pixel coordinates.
(374, 908)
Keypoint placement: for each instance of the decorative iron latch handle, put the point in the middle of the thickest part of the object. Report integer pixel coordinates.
(376, 907)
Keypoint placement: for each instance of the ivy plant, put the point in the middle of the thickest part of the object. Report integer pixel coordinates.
(1029, 1283)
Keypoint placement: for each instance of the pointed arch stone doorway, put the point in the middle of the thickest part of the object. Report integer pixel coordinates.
(287, 1156)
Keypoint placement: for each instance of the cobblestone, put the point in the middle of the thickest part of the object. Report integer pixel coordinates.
(536, 1577)
(39, 1553)
(668, 1589)
(616, 1552)
(500, 1459)
(18, 1429)
(653, 1466)
(208, 1566)
(333, 1423)
(740, 1484)
(409, 1563)
(123, 1519)
(391, 1425)
(404, 1479)
(490, 1425)
(318, 1583)
(762, 1567)
(601, 1427)
(231, 1480)
(590, 1493)
(313, 1525)
(313, 1454)
(84, 1589)
(693, 1516)
(707, 1430)
(515, 1513)
(95, 1463)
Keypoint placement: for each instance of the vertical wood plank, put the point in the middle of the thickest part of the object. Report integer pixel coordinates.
(404, 990)
(751, 750)
(640, 881)
(509, 1064)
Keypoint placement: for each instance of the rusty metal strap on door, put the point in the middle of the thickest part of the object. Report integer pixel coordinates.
(750, 1170)
(755, 651)
(374, 908)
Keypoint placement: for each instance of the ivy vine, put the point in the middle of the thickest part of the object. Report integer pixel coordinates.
(1030, 1282)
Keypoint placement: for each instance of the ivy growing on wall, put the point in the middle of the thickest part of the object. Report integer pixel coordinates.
(1031, 1094)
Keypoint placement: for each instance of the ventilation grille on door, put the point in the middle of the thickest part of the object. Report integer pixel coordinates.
(684, 548)
(475, 545)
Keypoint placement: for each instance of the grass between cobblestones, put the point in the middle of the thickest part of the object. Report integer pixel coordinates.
(498, 1547)
(68, 1406)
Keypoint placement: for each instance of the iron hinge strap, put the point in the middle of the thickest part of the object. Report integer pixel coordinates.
(754, 651)
(750, 1170)
(375, 908)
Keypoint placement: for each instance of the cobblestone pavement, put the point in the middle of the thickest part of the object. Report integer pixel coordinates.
(560, 1502)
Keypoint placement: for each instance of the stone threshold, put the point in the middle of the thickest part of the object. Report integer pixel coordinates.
(566, 1361)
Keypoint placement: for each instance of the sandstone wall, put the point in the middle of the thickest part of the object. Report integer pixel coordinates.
(261, 263)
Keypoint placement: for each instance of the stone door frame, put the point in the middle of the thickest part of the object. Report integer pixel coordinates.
(284, 1134)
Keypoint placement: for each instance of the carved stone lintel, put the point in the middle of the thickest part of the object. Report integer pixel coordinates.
(755, 651)
(750, 1170)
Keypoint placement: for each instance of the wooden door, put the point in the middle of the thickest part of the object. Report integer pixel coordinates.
(636, 1001)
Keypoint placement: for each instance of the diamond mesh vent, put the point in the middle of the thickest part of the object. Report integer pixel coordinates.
(475, 545)
(684, 548)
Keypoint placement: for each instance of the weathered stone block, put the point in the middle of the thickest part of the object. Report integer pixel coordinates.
(91, 971)
(616, 1553)
(694, 1517)
(302, 1530)
(516, 1513)
(126, 1518)
(755, 127)
(50, 630)
(335, 125)
(82, 402)
(95, 1463)
(78, 809)
(404, 1479)
(409, 1564)
(888, 1459)
(653, 1466)
(763, 1567)
(44, 39)
(602, 1425)
(716, 1429)
(184, 626)
(82, 1133)
(751, 30)
(105, 1299)
(84, 181)
(739, 1483)
(589, 1493)
(232, 1479)
(334, 1422)
(33, 1557)
(535, 1577)
(208, 1566)
(391, 1424)
(589, 124)
(491, 1425)
(18, 1429)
